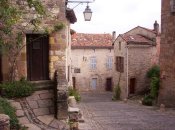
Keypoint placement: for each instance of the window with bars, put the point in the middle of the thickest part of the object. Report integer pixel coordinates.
(109, 62)
(93, 63)
(120, 64)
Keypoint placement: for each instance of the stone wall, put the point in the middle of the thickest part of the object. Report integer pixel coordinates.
(59, 46)
(81, 59)
(58, 41)
(116, 74)
(139, 61)
(167, 56)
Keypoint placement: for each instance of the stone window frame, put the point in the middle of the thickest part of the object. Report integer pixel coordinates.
(120, 64)
(93, 62)
(109, 62)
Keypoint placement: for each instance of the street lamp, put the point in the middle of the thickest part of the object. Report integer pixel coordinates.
(87, 12)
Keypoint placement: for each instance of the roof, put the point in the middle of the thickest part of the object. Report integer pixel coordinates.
(137, 39)
(82, 40)
(150, 30)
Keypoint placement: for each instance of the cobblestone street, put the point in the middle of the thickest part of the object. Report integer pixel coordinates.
(101, 113)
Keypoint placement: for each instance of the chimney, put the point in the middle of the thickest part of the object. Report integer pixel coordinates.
(113, 36)
(156, 27)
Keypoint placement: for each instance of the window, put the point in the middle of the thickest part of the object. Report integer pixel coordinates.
(119, 46)
(109, 62)
(77, 70)
(93, 62)
(172, 5)
(120, 64)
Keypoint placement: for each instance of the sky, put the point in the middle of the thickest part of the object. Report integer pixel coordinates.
(117, 15)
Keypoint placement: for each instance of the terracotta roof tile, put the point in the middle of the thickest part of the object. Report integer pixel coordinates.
(91, 40)
(135, 39)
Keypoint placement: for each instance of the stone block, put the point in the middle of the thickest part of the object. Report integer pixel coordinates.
(33, 98)
(16, 105)
(4, 122)
(23, 120)
(32, 127)
(47, 119)
(62, 110)
(41, 92)
(20, 113)
(73, 117)
(45, 103)
(46, 95)
(33, 104)
(41, 111)
(73, 110)
(51, 40)
(54, 58)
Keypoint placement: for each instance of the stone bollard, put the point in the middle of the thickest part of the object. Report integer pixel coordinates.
(73, 118)
(162, 107)
(4, 122)
(125, 100)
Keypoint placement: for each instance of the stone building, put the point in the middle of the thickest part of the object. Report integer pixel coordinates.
(43, 53)
(135, 52)
(92, 62)
(167, 54)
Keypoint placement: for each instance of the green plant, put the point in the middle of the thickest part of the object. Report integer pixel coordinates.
(58, 27)
(16, 89)
(154, 87)
(147, 100)
(75, 93)
(154, 72)
(7, 109)
(117, 92)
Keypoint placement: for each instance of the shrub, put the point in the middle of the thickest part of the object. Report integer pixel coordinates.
(16, 89)
(117, 92)
(154, 72)
(7, 109)
(154, 87)
(148, 100)
(75, 93)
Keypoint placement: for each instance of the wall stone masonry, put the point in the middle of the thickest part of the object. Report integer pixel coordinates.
(167, 56)
(59, 46)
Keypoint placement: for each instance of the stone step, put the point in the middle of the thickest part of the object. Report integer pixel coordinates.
(43, 84)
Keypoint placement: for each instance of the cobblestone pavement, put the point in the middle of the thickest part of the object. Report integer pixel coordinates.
(100, 113)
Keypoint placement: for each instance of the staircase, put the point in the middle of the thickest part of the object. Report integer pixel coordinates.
(44, 84)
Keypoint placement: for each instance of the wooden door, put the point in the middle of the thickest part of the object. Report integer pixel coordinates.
(132, 85)
(37, 57)
(74, 82)
(109, 84)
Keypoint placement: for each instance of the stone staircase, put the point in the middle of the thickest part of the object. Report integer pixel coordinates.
(43, 85)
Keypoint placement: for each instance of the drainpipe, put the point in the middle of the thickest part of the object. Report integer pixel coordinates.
(127, 89)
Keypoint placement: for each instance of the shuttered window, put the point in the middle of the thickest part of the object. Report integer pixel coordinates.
(119, 64)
